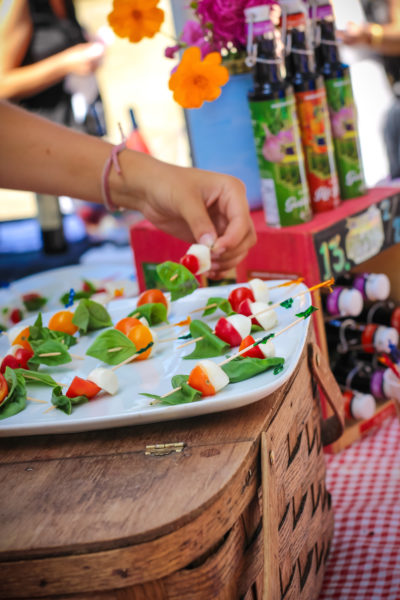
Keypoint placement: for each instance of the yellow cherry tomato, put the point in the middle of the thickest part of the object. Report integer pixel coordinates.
(126, 324)
(152, 297)
(198, 379)
(22, 339)
(141, 337)
(62, 321)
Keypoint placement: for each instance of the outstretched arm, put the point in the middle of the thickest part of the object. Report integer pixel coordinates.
(188, 203)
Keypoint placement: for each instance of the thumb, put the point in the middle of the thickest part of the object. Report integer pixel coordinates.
(199, 222)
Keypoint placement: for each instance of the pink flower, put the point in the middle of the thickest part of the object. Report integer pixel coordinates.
(225, 18)
(193, 34)
(170, 51)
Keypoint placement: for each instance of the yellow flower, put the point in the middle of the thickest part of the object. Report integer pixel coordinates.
(196, 81)
(136, 19)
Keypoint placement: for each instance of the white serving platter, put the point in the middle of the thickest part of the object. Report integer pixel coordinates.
(154, 375)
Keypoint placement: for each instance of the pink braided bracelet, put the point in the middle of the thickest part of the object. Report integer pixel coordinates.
(105, 190)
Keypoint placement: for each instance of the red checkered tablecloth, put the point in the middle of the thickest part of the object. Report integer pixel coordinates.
(364, 481)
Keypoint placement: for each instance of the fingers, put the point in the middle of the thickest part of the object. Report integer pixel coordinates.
(199, 222)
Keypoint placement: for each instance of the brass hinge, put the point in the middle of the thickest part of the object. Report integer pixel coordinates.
(163, 449)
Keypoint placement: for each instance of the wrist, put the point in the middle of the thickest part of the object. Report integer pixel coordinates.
(129, 188)
(375, 35)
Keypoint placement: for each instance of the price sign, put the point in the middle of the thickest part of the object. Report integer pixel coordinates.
(353, 240)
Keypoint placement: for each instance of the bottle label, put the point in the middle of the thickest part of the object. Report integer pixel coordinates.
(367, 337)
(395, 318)
(376, 385)
(319, 157)
(342, 112)
(280, 161)
(347, 400)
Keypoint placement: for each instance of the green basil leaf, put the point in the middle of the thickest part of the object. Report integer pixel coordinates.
(48, 347)
(112, 338)
(16, 397)
(35, 377)
(63, 402)
(77, 296)
(255, 327)
(288, 303)
(39, 333)
(92, 288)
(154, 312)
(220, 303)
(91, 315)
(244, 367)
(210, 345)
(32, 304)
(183, 281)
(184, 395)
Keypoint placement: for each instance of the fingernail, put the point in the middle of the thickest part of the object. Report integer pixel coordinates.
(218, 251)
(207, 239)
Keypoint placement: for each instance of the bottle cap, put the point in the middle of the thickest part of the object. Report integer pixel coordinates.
(384, 336)
(350, 303)
(363, 406)
(377, 286)
(256, 14)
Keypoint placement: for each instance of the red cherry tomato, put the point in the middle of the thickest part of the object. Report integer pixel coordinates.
(198, 379)
(16, 315)
(82, 387)
(152, 297)
(226, 332)
(9, 361)
(23, 355)
(254, 352)
(62, 321)
(245, 309)
(191, 262)
(3, 388)
(30, 297)
(238, 294)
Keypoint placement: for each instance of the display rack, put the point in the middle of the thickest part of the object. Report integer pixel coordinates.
(362, 234)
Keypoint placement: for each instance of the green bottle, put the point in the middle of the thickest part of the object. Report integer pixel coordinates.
(284, 189)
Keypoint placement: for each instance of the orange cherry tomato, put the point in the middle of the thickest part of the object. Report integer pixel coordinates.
(22, 339)
(141, 337)
(82, 387)
(126, 324)
(198, 379)
(62, 321)
(152, 297)
(253, 352)
(3, 388)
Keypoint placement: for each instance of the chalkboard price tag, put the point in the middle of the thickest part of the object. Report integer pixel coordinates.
(357, 238)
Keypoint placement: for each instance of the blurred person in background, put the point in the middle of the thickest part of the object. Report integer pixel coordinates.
(382, 35)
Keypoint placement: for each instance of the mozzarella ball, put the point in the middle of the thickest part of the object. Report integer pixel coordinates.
(267, 349)
(241, 323)
(260, 290)
(218, 378)
(202, 253)
(106, 379)
(266, 316)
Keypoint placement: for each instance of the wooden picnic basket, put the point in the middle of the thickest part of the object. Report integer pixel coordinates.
(226, 506)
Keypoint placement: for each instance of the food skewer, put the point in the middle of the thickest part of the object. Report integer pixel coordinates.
(264, 339)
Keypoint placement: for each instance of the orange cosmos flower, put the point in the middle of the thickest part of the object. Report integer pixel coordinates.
(136, 19)
(196, 81)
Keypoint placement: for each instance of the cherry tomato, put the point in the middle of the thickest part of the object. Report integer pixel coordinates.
(82, 387)
(198, 379)
(254, 352)
(22, 339)
(9, 361)
(238, 294)
(3, 388)
(16, 315)
(245, 309)
(226, 332)
(62, 321)
(152, 296)
(126, 324)
(30, 297)
(23, 355)
(191, 262)
(141, 337)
